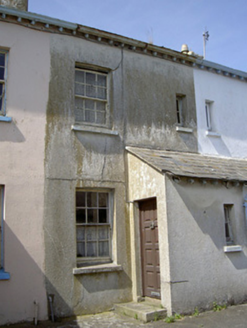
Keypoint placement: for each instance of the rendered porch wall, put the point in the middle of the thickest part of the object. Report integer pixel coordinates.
(203, 272)
(145, 182)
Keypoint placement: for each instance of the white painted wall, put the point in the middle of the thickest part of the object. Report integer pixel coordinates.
(22, 172)
(229, 114)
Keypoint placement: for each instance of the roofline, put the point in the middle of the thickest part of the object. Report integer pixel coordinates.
(220, 69)
(52, 25)
(168, 173)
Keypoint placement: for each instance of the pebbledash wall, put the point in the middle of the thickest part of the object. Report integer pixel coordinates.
(223, 90)
(22, 144)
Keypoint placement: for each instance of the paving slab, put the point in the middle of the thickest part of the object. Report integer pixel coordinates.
(232, 317)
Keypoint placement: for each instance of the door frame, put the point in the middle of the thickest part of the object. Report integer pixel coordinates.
(156, 293)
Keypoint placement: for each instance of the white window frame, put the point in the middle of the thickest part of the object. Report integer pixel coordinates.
(87, 260)
(228, 215)
(208, 113)
(96, 100)
(3, 82)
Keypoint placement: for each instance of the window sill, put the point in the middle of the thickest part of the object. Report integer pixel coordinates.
(183, 129)
(213, 134)
(6, 119)
(98, 269)
(93, 129)
(233, 248)
(4, 275)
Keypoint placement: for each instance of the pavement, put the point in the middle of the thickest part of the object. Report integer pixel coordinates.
(232, 317)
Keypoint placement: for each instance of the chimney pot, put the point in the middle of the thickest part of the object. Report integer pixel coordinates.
(15, 4)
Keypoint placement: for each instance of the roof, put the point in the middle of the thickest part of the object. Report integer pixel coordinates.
(193, 164)
(52, 25)
(49, 24)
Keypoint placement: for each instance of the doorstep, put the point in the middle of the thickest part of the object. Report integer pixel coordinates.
(145, 311)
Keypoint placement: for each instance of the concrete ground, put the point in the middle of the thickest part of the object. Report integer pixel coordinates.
(232, 317)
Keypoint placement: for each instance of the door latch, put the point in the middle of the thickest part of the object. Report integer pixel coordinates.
(152, 225)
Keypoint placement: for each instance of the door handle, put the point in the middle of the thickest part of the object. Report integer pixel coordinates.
(152, 225)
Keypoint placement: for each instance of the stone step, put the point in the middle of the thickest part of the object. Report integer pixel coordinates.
(145, 311)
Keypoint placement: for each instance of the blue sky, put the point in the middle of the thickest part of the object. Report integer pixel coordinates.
(167, 23)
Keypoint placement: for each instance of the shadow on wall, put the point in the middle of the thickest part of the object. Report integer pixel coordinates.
(100, 143)
(219, 145)
(26, 285)
(206, 210)
(11, 133)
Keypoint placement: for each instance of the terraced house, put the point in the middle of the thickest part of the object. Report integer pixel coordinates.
(106, 195)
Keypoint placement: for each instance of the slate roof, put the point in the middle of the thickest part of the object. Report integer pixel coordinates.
(193, 164)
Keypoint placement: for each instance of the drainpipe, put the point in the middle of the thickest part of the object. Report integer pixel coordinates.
(36, 306)
(245, 205)
(50, 299)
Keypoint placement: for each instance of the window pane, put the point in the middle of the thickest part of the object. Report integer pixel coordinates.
(102, 216)
(79, 89)
(103, 199)
(91, 249)
(80, 233)
(91, 78)
(81, 199)
(81, 250)
(79, 76)
(89, 104)
(79, 103)
(92, 216)
(91, 91)
(92, 199)
(103, 233)
(79, 115)
(101, 93)
(104, 248)
(89, 116)
(1, 73)
(100, 106)
(100, 118)
(2, 59)
(81, 216)
(101, 80)
(91, 234)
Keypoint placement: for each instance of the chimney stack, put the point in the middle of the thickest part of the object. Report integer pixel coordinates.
(15, 4)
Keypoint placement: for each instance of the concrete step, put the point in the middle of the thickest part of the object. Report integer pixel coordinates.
(145, 311)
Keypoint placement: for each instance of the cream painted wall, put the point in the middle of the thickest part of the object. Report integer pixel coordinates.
(229, 114)
(145, 182)
(22, 172)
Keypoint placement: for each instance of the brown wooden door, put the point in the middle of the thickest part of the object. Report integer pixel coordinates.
(149, 248)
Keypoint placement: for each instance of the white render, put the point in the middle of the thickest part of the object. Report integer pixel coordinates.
(22, 172)
(229, 112)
